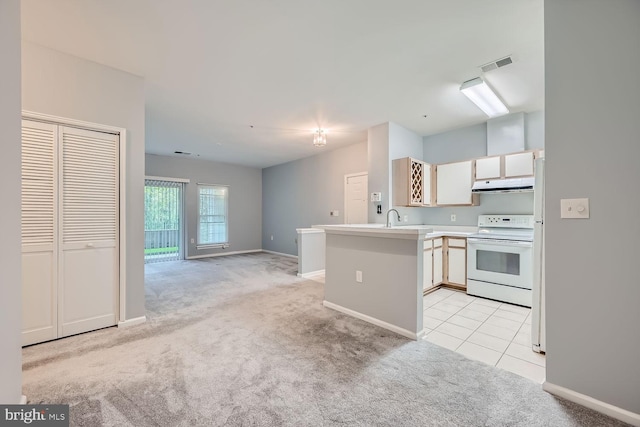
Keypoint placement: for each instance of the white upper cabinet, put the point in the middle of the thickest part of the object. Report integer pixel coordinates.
(488, 168)
(518, 164)
(453, 184)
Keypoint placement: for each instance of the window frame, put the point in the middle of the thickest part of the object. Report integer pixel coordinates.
(209, 245)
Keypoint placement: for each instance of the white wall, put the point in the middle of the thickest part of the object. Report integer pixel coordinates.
(67, 86)
(245, 198)
(592, 59)
(301, 193)
(10, 258)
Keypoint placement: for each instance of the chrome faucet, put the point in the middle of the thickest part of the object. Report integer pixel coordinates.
(389, 219)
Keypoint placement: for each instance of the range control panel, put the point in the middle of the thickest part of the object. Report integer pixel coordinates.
(505, 221)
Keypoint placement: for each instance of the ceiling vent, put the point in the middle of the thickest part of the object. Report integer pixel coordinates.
(494, 65)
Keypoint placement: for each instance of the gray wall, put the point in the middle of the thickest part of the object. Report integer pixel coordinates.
(534, 130)
(387, 142)
(391, 271)
(301, 193)
(468, 143)
(459, 144)
(10, 258)
(245, 198)
(379, 169)
(403, 143)
(67, 86)
(592, 132)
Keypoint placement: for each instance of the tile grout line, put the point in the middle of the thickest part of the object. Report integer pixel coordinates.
(511, 341)
(472, 331)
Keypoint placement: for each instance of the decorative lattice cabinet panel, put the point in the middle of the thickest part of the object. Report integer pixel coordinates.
(411, 182)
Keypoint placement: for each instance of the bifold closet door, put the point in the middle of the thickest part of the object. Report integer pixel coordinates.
(39, 232)
(89, 195)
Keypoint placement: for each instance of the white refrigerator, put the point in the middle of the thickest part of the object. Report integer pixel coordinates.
(537, 309)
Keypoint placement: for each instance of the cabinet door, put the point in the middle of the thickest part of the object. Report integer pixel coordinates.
(519, 164)
(427, 184)
(437, 266)
(454, 181)
(457, 262)
(408, 182)
(427, 282)
(416, 183)
(488, 168)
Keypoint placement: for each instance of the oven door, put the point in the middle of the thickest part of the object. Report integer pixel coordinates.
(504, 262)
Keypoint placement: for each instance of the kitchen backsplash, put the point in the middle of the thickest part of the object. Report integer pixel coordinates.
(512, 203)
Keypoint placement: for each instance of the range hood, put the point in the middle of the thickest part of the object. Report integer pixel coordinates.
(509, 185)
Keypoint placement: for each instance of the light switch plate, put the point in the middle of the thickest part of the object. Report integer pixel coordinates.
(574, 208)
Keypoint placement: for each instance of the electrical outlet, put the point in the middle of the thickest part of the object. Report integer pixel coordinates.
(272, 237)
(358, 276)
(453, 217)
(193, 241)
(406, 218)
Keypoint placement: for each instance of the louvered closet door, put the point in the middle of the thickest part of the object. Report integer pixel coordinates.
(39, 218)
(89, 194)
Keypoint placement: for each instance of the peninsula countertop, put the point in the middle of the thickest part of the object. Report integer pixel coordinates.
(415, 231)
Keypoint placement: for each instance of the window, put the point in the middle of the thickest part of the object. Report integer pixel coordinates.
(213, 228)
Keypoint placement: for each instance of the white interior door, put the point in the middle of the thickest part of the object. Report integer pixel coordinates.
(39, 233)
(356, 190)
(89, 194)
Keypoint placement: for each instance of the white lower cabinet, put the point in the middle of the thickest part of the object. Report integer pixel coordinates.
(456, 261)
(445, 262)
(437, 262)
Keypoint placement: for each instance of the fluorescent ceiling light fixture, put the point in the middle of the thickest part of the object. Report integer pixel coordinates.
(479, 92)
(319, 137)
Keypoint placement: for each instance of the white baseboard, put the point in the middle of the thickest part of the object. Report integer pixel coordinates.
(23, 400)
(132, 322)
(311, 274)
(224, 254)
(591, 403)
(280, 253)
(373, 320)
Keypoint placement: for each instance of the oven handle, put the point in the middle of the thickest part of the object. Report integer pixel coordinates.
(497, 242)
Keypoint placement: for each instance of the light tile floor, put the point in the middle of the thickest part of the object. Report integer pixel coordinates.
(492, 332)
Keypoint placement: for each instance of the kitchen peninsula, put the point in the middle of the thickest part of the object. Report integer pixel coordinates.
(375, 273)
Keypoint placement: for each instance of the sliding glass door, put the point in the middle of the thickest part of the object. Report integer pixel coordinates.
(163, 225)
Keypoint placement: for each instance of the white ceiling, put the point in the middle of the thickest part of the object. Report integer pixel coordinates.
(215, 68)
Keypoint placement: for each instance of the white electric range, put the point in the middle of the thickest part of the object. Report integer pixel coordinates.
(500, 259)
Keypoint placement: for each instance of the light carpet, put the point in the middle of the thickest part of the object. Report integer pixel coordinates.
(242, 341)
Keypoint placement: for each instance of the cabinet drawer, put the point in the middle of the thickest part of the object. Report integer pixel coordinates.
(457, 243)
(437, 242)
(428, 244)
